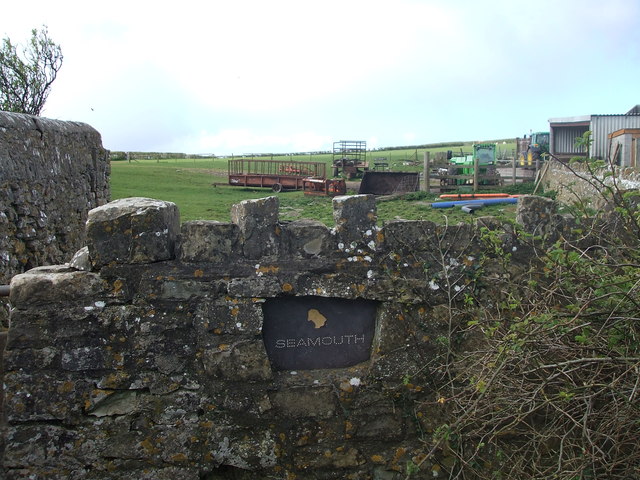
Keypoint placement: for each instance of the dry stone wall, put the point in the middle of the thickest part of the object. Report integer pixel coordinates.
(577, 184)
(51, 174)
(148, 355)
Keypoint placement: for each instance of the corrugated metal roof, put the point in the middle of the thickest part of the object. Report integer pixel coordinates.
(582, 118)
(617, 115)
(634, 111)
(587, 118)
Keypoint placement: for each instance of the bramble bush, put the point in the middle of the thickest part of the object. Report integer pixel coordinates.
(551, 388)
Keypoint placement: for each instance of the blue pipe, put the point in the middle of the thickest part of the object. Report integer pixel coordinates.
(485, 201)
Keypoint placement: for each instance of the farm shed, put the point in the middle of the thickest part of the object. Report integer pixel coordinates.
(625, 147)
(565, 130)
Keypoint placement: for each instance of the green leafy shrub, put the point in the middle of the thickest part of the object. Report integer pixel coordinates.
(550, 388)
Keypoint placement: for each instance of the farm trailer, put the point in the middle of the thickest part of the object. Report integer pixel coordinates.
(275, 174)
(327, 187)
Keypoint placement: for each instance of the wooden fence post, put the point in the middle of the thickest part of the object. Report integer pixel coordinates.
(476, 164)
(427, 180)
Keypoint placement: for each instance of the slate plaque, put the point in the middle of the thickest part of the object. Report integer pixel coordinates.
(303, 333)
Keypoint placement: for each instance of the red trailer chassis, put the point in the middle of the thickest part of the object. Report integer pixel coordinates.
(275, 174)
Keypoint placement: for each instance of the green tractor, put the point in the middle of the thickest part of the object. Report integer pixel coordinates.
(485, 153)
(533, 149)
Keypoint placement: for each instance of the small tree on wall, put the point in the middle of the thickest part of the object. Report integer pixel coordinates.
(26, 77)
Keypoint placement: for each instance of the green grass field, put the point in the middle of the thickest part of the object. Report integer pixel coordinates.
(199, 189)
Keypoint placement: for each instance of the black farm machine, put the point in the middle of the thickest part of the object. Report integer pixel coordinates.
(533, 149)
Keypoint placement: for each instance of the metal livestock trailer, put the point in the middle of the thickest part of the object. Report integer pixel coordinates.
(275, 174)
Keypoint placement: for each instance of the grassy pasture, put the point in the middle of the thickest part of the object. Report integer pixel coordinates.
(191, 184)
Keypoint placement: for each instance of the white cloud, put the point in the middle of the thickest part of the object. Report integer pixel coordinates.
(283, 75)
(226, 141)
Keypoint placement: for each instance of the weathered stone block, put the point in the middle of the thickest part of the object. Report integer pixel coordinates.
(41, 396)
(381, 427)
(258, 223)
(104, 403)
(409, 235)
(247, 453)
(179, 289)
(354, 215)
(236, 316)
(264, 284)
(319, 402)
(242, 361)
(321, 458)
(394, 329)
(38, 287)
(207, 241)
(132, 230)
(537, 215)
(307, 239)
(83, 359)
(255, 213)
(81, 260)
(30, 359)
(26, 450)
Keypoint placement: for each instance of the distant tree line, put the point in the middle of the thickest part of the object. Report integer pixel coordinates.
(120, 155)
(426, 145)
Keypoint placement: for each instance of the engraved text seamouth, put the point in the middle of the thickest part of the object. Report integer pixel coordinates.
(326, 341)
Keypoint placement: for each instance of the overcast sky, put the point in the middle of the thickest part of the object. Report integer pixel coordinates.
(249, 76)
